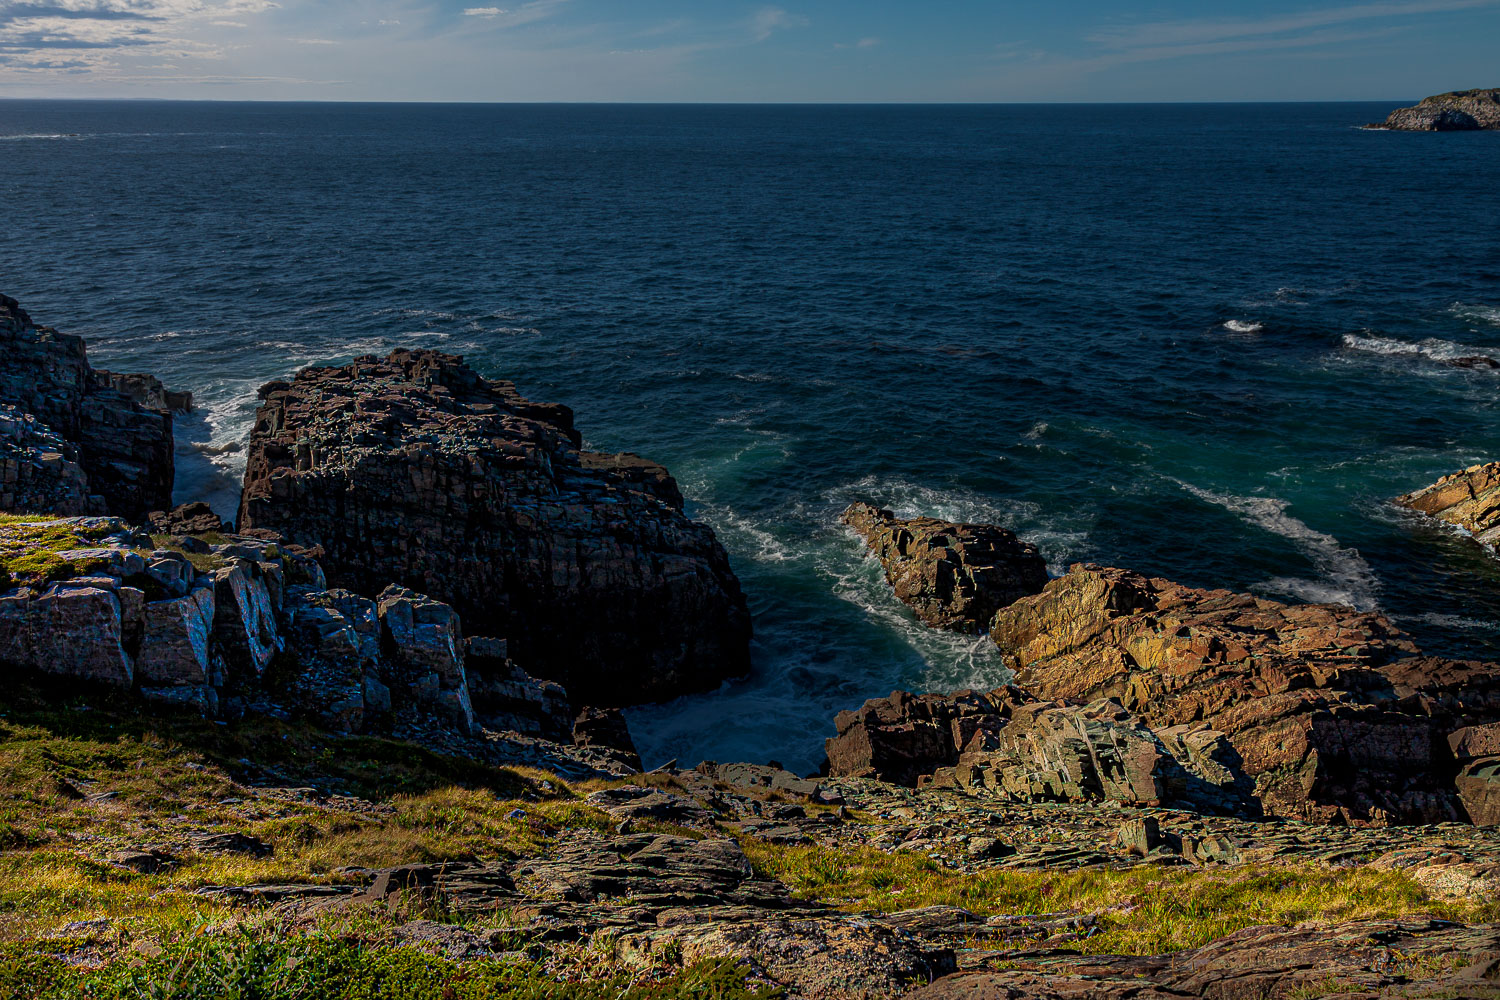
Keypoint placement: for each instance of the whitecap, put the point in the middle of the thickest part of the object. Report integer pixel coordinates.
(1243, 326)
(1431, 347)
(1476, 313)
(1346, 577)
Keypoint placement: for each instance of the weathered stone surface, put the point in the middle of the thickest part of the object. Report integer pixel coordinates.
(1469, 499)
(904, 737)
(66, 630)
(1458, 111)
(424, 643)
(124, 448)
(39, 470)
(245, 619)
(1373, 958)
(1332, 713)
(413, 469)
(146, 390)
(195, 518)
(333, 675)
(176, 639)
(954, 576)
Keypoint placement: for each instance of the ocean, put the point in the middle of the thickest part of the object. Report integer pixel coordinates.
(1207, 342)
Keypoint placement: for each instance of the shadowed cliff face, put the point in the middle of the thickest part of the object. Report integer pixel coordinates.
(413, 468)
(122, 448)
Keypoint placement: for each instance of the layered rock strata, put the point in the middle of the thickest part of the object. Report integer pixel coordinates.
(1458, 111)
(413, 469)
(1333, 714)
(954, 576)
(123, 448)
(1469, 499)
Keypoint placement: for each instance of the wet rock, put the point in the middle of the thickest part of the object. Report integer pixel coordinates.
(1469, 499)
(413, 469)
(954, 576)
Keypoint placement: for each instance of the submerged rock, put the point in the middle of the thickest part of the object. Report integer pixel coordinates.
(1458, 111)
(413, 469)
(954, 576)
(1469, 499)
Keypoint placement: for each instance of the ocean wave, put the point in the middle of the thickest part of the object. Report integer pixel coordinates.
(1345, 576)
(1445, 351)
(1476, 313)
(21, 137)
(1243, 326)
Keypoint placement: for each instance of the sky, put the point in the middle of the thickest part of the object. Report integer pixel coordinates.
(721, 50)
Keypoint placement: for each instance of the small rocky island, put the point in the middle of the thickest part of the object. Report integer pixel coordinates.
(366, 743)
(1458, 111)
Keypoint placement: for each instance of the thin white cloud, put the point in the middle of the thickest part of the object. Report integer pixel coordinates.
(510, 17)
(89, 35)
(769, 20)
(1160, 34)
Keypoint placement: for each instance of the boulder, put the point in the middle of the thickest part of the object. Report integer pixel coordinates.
(1469, 499)
(176, 638)
(195, 518)
(123, 448)
(244, 618)
(414, 469)
(1458, 111)
(1330, 713)
(954, 576)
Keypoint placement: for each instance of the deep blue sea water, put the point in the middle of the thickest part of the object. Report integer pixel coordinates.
(1206, 342)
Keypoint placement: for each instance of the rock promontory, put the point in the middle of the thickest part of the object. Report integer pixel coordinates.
(1458, 111)
(954, 576)
(1469, 500)
(413, 469)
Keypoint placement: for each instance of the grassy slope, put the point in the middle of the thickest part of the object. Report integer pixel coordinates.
(76, 785)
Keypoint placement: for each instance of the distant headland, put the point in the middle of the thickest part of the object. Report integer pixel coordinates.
(1457, 111)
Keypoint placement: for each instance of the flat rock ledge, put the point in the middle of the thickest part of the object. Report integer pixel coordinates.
(414, 469)
(954, 576)
(1459, 111)
(1469, 499)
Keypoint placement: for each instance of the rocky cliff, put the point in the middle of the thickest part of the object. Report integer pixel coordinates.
(414, 469)
(1458, 111)
(91, 446)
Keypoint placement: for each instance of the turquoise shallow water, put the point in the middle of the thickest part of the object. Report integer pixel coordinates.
(1208, 342)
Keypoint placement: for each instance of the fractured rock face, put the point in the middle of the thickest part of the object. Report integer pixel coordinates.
(1469, 499)
(123, 447)
(954, 576)
(69, 630)
(1331, 712)
(414, 469)
(39, 469)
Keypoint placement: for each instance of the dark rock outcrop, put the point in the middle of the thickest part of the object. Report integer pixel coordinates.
(1332, 713)
(123, 447)
(195, 518)
(414, 469)
(1459, 111)
(1469, 499)
(954, 576)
